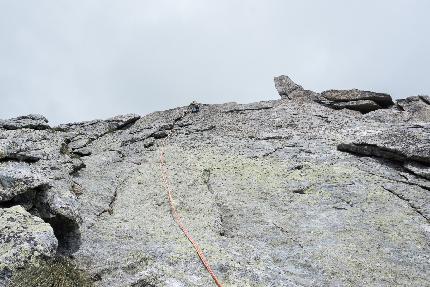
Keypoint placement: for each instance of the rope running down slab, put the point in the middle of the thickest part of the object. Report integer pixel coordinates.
(177, 218)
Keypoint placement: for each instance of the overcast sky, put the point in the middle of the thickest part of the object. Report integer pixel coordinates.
(81, 60)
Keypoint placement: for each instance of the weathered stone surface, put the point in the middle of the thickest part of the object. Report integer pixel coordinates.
(285, 86)
(56, 272)
(17, 178)
(291, 192)
(289, 90)
(403, 143)
(418, 169)
(363, 106)
(362, 101)
(383, 100)
(418, 107)
(36, 122)
(23, 239)
(37, 171)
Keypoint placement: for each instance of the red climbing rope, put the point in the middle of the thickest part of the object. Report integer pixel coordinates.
(178, 219)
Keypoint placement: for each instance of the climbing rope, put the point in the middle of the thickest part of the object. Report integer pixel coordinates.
(177, 218)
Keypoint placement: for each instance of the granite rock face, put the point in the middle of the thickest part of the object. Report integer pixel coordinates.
(314, 189)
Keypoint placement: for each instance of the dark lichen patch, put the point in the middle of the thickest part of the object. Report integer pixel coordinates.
(58, 272)
(146, 282)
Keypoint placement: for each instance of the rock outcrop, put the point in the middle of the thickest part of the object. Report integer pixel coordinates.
(23, 239)
(35, 122)
(313, 189)
(362, 101)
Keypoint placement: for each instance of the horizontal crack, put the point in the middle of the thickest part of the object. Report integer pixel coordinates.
(365, 149)
(17, 157)
(406, 181)
(247, 109)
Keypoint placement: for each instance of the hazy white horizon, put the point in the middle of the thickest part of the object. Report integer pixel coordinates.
(81, 60)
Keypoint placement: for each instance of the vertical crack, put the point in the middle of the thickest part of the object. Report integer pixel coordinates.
(114, 197)
(207, 173)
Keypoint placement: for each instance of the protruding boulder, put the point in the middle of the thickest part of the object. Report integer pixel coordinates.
(381, 99)
(18, 178)
(35, 122)
(286, 87)
(363, 106)
(362, 101)
(23, 239)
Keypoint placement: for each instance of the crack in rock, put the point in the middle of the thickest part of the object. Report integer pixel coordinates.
(207, 173)
(407, 200)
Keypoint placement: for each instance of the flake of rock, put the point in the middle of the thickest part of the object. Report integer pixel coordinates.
(383, 100)
(250, 107)
(418, 169)
(402, 143)
(36, 122)
(17, 178)
(363, 106)
(122, 121)
(425, 99)
(23, 239)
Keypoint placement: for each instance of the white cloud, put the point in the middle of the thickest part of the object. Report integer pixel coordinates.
(78, 60)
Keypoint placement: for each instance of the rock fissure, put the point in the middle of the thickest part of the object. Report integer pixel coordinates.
(283, 230)
(271, 152)
(248, 109)
(425, 99)
(19, 157)
(366, 149)
(110, 208)
(408, 201)
(222, 231)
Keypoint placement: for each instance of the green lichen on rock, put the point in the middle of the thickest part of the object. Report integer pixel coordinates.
(58, 272)
(23, 238)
